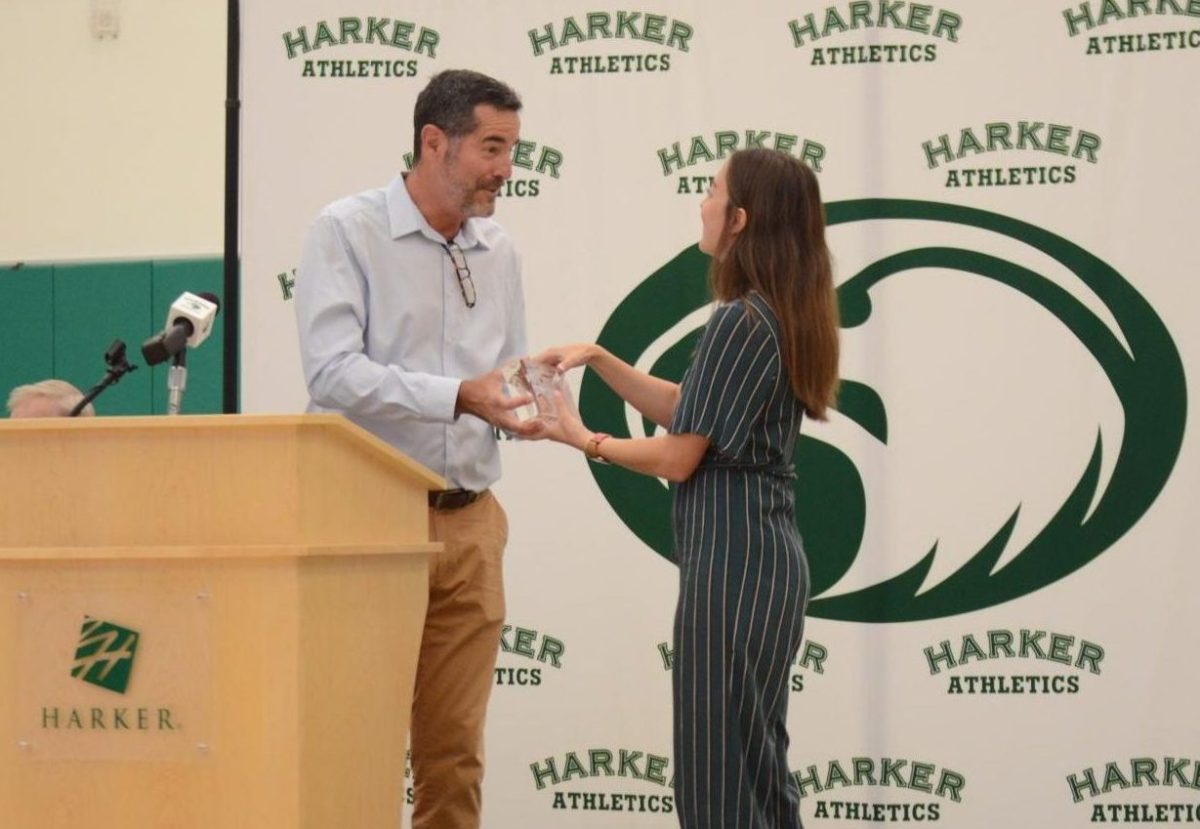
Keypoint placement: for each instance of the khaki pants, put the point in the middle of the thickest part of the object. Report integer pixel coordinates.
(455, 672)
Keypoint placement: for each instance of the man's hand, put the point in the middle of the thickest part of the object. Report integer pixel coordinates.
(484, 398)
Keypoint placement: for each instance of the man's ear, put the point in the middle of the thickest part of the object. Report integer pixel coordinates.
(737, 223)
(433, 140)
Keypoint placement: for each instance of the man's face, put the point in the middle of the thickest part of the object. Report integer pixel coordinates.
(476, 165)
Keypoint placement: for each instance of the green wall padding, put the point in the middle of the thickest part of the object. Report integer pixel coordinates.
(58, 320)
(93, 305)
(26, 327)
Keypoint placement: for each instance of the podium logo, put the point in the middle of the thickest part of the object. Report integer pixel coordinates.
(1030, 535)
(1104, 24)
(849, 34)
(104, 656)
(1022, 137)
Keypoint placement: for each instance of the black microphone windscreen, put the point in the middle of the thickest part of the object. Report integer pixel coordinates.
(213, 298)
(154, 351)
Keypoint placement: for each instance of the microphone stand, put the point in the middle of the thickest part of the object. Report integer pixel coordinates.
(177, 381)
(118, 367)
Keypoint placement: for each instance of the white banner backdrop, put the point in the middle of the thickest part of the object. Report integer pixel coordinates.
(997, 516)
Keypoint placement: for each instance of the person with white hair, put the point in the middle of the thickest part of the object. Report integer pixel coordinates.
(49, 398)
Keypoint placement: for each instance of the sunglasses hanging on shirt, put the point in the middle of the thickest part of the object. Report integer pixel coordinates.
(465, 284)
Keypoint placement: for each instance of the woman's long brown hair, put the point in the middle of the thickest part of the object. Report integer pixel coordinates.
(781, 254)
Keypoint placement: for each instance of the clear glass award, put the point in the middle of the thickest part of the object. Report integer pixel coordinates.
(526, 376)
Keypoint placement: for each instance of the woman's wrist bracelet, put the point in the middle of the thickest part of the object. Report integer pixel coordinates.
(592, 447)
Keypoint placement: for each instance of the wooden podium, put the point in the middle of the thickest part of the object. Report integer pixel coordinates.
(207, 621)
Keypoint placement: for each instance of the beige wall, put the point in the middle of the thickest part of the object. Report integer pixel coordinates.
(111, 148)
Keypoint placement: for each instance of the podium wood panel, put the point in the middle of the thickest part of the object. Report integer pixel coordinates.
(307, 542)
(206, 480)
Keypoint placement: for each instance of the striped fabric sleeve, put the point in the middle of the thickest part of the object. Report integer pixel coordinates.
(729, 380)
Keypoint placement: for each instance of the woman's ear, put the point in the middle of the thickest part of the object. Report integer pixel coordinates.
(737, 222)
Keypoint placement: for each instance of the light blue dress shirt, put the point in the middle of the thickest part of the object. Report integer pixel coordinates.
(386, 337)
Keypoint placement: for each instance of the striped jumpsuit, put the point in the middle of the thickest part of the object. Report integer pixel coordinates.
(743, 578)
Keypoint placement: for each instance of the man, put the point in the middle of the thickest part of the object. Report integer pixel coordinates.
(49, 398)
(403, 292)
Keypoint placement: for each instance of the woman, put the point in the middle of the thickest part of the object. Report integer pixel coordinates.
(767, 356)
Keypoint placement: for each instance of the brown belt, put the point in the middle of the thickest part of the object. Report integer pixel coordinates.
(446, 499)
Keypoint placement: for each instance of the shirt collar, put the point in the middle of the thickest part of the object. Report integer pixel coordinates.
(404, 218)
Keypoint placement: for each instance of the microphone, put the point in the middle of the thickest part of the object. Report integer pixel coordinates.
(118, 367)
(189, 322)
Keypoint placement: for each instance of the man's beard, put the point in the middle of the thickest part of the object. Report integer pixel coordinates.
(475, 202)
(471, 198)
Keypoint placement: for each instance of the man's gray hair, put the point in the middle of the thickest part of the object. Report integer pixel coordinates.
(60, 391)
(449, 100)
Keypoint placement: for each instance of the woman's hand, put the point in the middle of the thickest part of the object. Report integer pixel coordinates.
(566, 428)
(566, 357)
